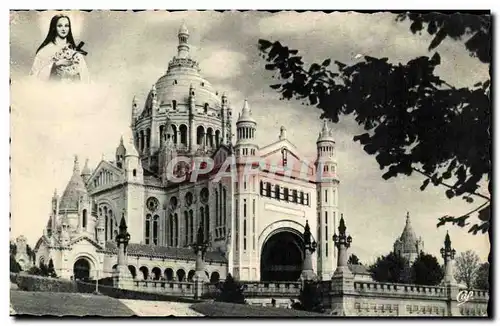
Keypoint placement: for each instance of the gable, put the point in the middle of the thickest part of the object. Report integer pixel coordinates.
(275, 153)
(85, 239)
(104, 175)
(220, 155)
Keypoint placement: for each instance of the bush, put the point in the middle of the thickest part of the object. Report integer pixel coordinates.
(45, 284)
(309, 298)
(231, 291)
(14, 265)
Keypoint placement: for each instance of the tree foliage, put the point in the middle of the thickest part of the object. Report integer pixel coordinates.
(426, 270)
(415, 121)
(389, 268)
(50, 269)
(466, 268)
(310, 298)
(231, 291)
(482, 280)
(353, 260)
(14, 265)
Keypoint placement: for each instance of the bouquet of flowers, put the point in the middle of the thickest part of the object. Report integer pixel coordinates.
(70, 71)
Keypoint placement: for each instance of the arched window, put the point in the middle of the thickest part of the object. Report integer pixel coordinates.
(183, 131)
(171, 230)
(224, 201)
(302, 197)
(205, 108)
(277, 192)
(162, 134)
(201, 220)
(147, 228)
(176, 230)
(84, 219)
(174, 102)
(268, 189)
(174, 133)
(155, 229)
(200, 135)
(294, 196)
(217, 223)
(191, 226)
(148, 138)
(207, 223)
(285, 191)
(186, 228)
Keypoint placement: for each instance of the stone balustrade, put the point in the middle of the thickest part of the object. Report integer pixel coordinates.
(367, 288)
(168, 287)
(272, 289)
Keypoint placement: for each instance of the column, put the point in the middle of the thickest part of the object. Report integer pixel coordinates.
(449, 281)
(342, 294)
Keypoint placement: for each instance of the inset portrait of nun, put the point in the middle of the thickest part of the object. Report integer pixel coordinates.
(58, 58)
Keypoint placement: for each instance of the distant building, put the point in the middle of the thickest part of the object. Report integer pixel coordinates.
(22, 257)
(254, 222)
(408, 245)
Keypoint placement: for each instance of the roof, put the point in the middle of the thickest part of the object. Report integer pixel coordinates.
(408, 238)
(74, 190)
(137, 249)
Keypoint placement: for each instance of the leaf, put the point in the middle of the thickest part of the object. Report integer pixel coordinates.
(326, 63)
(264, 44)
(436, 59)
(485, 214)
(450, 193)
(468, 199)
(425, 184)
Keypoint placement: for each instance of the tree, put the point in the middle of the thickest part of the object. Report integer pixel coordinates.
(14, 265)
(466, 268)
(50, 269)
(416, 122)
(309, 298)
(353, 260)
(231, 291)
(389, 268)
(426, 270)
(482, 280)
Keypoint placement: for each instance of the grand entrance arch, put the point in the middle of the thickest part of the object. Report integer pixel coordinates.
(282, 257)
(81, 269)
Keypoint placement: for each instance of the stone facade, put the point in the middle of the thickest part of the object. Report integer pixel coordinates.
(183, 116)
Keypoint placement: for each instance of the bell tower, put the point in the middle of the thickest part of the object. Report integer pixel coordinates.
(327, 200)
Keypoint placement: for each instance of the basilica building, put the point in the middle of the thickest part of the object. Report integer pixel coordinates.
(253, 220)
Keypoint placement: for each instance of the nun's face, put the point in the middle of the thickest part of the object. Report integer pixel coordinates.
(62, 27)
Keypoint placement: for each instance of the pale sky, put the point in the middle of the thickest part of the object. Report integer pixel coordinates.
(129, 51)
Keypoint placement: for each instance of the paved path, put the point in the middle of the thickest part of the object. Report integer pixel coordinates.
(160, 308)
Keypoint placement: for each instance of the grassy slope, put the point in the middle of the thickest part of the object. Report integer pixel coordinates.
(67, 304)
(222, 309)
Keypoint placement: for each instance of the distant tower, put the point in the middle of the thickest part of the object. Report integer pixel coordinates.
(86, 173)
(246, 196)
(192, 111)
(134, 193)
(183, 47)
(327, 201)
(120, 154)
(408, 245)
(135, 112)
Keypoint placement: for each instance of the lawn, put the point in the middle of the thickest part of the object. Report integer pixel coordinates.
(67, 304)
(222, 309)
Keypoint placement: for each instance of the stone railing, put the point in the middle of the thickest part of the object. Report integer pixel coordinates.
(277, 289)
(167, 287)
(377, 289)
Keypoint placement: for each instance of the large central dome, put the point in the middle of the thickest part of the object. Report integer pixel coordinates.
(183, 72)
